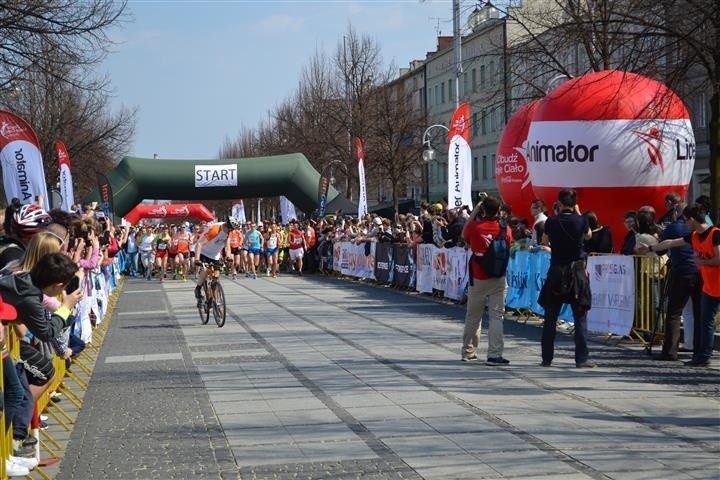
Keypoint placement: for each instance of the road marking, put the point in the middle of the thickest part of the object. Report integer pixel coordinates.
(142, 313)
(143, 358)
(141, 291)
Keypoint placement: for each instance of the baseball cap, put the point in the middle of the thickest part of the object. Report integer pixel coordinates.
(7, 311)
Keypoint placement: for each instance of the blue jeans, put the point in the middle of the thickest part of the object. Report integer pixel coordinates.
(708, 309)
(132, 260)
(550, 328)
(13, 392)
(22, 417)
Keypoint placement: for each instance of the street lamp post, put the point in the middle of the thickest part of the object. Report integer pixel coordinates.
(429, 155)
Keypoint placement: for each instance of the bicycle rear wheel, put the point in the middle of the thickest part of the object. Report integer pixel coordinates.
(218, 304)
(204, 309)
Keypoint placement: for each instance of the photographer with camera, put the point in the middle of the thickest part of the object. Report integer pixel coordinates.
(486, 293)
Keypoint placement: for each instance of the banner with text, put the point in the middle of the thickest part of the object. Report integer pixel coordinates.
(460, 159)
(216, 176)
(66, 183)
(612, 282)
(362, 197)
(22, 165)
(106, 196)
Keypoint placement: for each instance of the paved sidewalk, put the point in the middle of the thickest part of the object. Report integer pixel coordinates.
(315, 377)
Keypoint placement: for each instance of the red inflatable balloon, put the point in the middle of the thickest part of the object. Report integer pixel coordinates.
(182, 211)
(620, 139)
(511, 172)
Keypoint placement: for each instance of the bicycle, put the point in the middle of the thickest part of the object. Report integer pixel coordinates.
(214, 301)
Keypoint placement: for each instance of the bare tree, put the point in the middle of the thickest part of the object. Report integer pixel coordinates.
(392, 147)
(54, 34)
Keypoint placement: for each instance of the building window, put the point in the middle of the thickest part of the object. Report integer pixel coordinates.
(482, 76)
(436, 100)
(465, 84)
(492, 166)
(491, 72)
(485, 167)
(493, 120)
(483, 123)
(451, 90)
(474, 126)
(474, 80)
(475, 169)
(442, 92)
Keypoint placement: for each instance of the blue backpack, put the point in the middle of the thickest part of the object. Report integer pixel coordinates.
(495, 260)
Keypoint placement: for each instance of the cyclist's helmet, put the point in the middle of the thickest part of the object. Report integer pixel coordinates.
(232, 223)
(29, 220)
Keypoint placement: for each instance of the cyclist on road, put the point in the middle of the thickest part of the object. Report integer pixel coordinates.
(210, 246)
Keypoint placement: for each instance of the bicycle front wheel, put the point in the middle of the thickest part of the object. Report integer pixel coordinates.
(218, 304)
(203, 308)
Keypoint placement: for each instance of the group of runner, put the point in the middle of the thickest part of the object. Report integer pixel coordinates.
(248, 248)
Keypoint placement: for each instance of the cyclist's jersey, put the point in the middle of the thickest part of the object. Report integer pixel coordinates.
(215, 239)
(254, 240)
(272, 241)
(182, 242)
(236, 239)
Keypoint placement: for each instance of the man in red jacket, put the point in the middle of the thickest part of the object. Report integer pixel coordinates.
(484, 291)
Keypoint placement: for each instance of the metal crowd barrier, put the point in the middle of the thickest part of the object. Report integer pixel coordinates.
(72, 383)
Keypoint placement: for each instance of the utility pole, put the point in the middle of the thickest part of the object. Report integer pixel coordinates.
(457, 48)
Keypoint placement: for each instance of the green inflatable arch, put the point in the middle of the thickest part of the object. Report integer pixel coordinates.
(135, 179)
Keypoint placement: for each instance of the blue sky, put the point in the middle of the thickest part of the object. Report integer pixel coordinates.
(200, 71)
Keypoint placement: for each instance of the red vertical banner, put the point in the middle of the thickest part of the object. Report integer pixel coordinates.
(460, 159)
(22, 164)
(362, 198)
(66, 183)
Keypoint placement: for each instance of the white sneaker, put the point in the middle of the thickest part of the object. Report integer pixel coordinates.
(13, 469)
(28, 463)
(44, 418)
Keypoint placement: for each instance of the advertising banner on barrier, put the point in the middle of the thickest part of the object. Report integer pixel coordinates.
(358, 260)
(404, 268)
(384, 263)
(456, 278)
(336, 256)
(612, 282)
(439, 268)
(424, 262)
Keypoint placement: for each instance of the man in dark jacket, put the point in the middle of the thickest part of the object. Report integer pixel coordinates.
(685, 283)
(566, 280)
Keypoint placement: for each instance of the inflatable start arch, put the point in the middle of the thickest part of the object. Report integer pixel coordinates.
(177, 211)
(135, 179)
